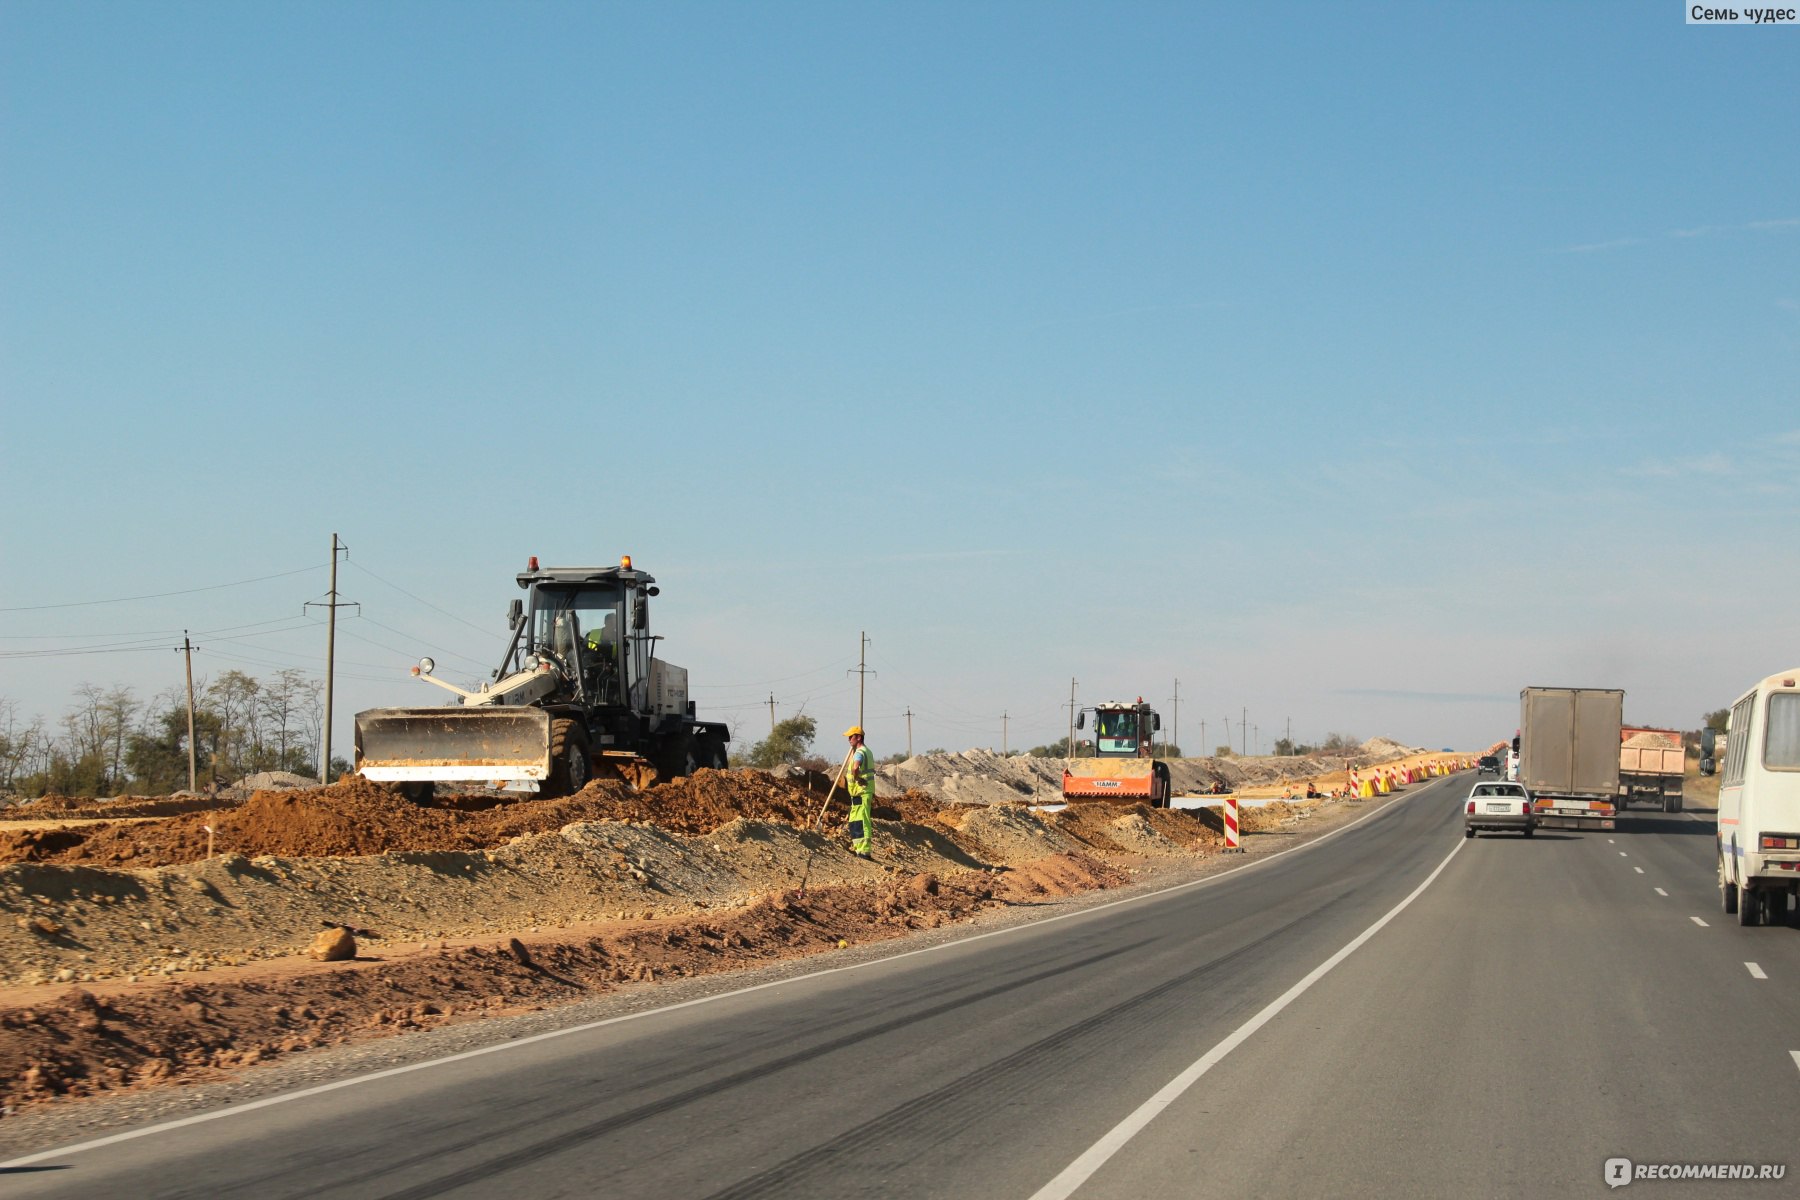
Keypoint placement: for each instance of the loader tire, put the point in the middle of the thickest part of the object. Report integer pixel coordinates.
(712, 754)
(571, 763)
(421, 793)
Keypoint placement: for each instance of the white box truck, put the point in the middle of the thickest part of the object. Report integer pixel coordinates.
(1569, 754)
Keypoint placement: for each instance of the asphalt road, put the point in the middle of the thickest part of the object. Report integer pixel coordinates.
(1529, 1009)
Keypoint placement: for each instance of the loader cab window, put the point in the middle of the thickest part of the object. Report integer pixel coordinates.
(581, 627)
(1116, 732)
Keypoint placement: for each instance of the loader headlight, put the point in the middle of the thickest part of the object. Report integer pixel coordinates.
(427, 666)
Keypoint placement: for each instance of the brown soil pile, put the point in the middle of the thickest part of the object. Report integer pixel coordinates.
(87, 808)
(357, 817)
(1099, 824)
(84, 1043)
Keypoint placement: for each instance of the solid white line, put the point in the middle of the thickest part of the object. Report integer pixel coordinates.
(1094, 1157)
(303, 1093)
(1756, 972)
(1699, 922)
(1660, 892)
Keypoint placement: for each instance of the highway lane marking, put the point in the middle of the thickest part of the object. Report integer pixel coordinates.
(1639, 870)
(1660, 892)
(1611, 842)
(1796, 1054)
(1622, 854)
(1096, 1156)
(588, 1026)
(1756, 972)
(1699, 922)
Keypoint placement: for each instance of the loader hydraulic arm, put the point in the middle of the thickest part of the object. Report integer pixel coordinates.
(521, 687)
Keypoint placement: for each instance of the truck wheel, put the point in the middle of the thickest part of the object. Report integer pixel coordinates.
(1529, 830)
(1749, 906)
(1468, 833)
(1727, 891)
(1775, 907)
(1672, 804)
(571, 765)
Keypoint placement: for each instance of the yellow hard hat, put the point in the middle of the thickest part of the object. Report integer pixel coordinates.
(853, 731)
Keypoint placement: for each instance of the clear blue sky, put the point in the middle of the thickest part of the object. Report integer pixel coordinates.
(1356, 364)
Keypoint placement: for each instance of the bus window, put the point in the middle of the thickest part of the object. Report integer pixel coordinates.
(1781, 741)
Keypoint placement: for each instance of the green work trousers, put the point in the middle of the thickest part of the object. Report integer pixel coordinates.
(862, 824)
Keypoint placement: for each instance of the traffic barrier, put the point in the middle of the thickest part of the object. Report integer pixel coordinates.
(1230, 816)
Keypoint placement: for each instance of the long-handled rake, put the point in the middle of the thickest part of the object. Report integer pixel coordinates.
(842, 767)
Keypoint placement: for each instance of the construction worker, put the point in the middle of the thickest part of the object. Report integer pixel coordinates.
(859, 781)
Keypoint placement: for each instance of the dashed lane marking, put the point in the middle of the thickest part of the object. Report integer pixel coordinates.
(1756, 972)
(1660, 892)
(1071, 1177)
(1639, 870)
(1699, 922)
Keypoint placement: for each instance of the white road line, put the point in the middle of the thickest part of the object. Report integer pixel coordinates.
(1096, 1156)
(1699, 922)
(1622, 854)
(1796, 1054)
(303, 1093)
(1756, 972)
(1660, 892)
(1611, 842)
(1639, 870)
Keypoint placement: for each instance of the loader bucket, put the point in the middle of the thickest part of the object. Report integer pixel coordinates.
(453, 743)
(637, 772)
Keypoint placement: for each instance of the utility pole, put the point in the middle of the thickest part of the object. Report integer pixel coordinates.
(1203, 750)
(1290, 734)
(861, 672)
(771, 714)
(1243, 746)
(909, 752)
(1002, 735)
(330, 605)
(1175, 737)
(1070, 747)
(187, 649)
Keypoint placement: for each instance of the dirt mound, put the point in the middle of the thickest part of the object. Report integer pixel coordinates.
(107, 808)
(81, 1043)
(357, 817)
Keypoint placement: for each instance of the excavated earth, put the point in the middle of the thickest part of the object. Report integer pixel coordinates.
(147, 940)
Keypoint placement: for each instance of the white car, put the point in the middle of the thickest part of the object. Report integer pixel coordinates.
(1497, 804)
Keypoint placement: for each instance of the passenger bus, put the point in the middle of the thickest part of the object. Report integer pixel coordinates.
(1759, 802)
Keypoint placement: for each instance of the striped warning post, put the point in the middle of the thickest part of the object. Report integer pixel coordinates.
(1232, 840)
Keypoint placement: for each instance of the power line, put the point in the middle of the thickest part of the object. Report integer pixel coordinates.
(158, 595)
(428, 604)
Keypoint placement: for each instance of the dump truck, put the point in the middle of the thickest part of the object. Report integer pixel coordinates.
(1121, 769)
(1569, 754)
(579, 694)
(1652, 763)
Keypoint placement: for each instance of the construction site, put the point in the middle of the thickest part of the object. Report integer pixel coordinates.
(157, 939)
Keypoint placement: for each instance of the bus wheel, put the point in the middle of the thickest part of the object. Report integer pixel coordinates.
(1749, 906)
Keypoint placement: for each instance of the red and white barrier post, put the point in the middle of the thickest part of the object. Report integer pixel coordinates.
(1232, 840)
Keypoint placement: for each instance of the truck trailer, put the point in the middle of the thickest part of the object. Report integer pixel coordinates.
(1569, 754)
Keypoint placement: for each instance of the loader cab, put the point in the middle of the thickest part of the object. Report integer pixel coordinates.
(1124, 730)
(580, 627)
(594, 624)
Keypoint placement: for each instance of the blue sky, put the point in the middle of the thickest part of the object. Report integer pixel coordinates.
(1356, 364)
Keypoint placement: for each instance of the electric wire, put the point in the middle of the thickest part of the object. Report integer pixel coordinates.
(486, 631)
(160, 595)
